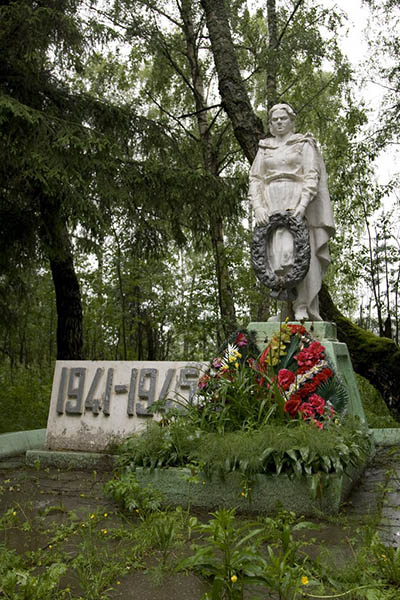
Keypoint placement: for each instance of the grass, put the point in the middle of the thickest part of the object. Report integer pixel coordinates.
(98, 551)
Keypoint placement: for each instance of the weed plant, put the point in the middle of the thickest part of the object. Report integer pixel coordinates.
(296, 450)
(262, 558)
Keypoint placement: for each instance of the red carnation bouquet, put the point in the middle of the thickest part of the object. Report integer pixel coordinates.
(291, 380)
(298, 365)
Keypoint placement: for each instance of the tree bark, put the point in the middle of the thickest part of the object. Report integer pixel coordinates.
(210, 163)
(272, 68)
(248, 128)
(55, 239)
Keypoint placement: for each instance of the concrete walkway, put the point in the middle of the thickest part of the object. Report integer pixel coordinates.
(379, 493)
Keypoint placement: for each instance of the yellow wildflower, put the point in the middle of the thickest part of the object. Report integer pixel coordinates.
(92, 516)
(234, 579)
(118, 583)
(105, 515)
(304, 580)
(14, 513)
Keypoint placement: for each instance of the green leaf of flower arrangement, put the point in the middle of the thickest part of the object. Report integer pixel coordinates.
(333, 391)
(287, 361)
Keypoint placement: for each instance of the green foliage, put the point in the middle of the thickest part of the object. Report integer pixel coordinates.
(299, 450)
(165, 532)
(286, 562)
(160, 446)
(96, 566)
(387, 561)
(377, 413)
(236, 403)
(132, 497)
(24, 398)
(263, 553)
(19, 583)
(227, 555)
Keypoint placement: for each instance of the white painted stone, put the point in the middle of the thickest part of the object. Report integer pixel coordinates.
(96, 403)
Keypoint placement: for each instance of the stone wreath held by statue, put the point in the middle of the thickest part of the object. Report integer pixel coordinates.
(289, 194)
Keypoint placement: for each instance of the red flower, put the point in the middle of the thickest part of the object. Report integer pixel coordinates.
(203, 382)
(308, 357)
(307, 410)
(292, 406)
(297, 329)
(285, 378)
(318, 424)
(318, 403)
(263, 358)
(241, 339)
(307, 389)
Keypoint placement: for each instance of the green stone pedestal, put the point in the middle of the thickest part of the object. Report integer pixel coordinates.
(337, 353)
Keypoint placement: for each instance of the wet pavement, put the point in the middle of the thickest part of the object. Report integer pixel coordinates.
(53, 493)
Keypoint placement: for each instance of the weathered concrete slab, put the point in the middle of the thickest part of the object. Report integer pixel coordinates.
(82, 461)
(14, 443)
(386, 437)
(95, 404)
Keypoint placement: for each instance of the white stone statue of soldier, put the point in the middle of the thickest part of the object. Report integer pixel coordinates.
(288, 174)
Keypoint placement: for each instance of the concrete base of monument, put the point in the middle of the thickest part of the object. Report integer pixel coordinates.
(268, 492)
(337, 353)
(386, 437)
(80, 461)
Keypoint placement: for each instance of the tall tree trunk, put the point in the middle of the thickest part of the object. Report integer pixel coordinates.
(225, 296)
(248, 128)
(55, 239)
(272, 68)
(210, 163)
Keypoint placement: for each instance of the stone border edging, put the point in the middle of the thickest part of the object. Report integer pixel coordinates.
(17, 442)
(69, 459)
(386, 437)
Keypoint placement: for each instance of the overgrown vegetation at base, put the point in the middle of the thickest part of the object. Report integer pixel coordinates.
(280, 412)
(274, 449)
(99, 552)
